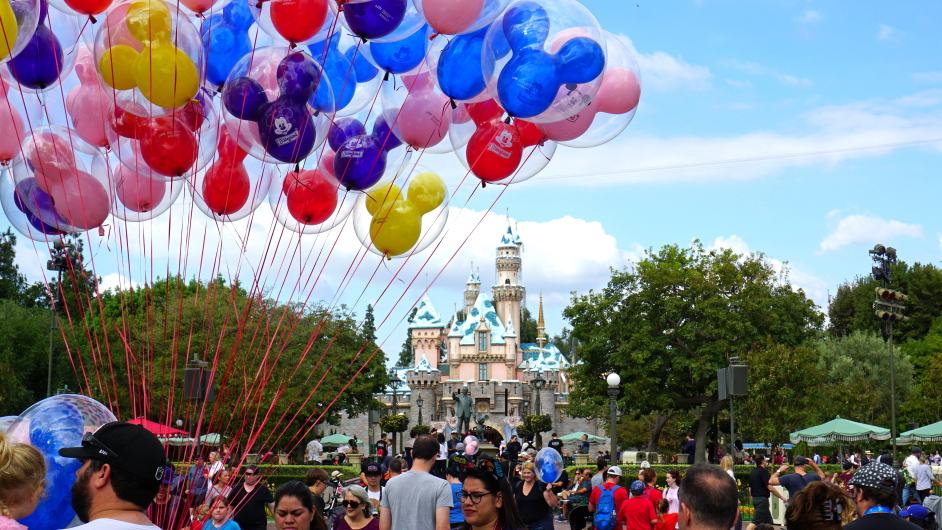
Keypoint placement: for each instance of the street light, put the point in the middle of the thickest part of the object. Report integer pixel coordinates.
(613, 381)
(394, 382)
(60, 262)
(538, 383)
(888, 308)
(420, 402)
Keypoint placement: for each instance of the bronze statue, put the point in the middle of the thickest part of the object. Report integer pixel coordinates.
(464, 404)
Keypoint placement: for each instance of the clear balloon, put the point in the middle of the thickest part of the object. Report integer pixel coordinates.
(21, 217)
(419, 112)
(294, 21)
(312, 201)
(227, 190)
(53, 423)
(455, 65)
(549, 465)
(12, 124)
(49, 56)
(88, 104)
(141, 195)
(456, 17)
(18, 22)
(367, 76)
(543, 62)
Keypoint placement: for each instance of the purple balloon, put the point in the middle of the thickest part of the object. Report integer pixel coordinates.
(39, 64)
(298, 76)
(374, 19)
(286, 130)
(342, 130)
(384, 134)
(245, 99)
(42, 201)
(360, 162)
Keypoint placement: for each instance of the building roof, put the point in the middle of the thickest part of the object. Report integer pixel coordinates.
(510, 331)
(509, 237)
(403, 386)
(546, 358)
(426, 316)
(482, 307)
(424, 365)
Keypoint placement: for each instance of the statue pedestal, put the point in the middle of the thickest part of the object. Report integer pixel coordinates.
(355, 459)
(581, 459)
(488, 450)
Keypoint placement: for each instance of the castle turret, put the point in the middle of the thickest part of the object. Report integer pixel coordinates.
(541, 327)
(471, 292)
(508, 293)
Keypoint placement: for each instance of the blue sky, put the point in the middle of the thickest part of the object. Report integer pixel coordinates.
(808, 131)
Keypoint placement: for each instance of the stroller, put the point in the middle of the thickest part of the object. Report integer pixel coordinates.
(579, 517)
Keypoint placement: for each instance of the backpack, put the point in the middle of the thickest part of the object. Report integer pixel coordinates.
(908, 478)
(606, 511)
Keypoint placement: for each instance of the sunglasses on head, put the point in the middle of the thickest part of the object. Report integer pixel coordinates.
(352, 504)
(90, 442)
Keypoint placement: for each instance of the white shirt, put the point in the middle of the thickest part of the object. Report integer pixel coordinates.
(215, 468)
(114, 524)
(442, 452)
(314, 450)
(911, 461)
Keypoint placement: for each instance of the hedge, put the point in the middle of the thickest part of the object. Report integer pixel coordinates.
(277, 475)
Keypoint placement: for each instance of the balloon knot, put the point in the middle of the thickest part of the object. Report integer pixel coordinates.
(293, 45)
(507, 121)
(453, 104)
(433, 35)
(93, 19)
(388, 257)
(297, 168)
(483, 184)
(386, 77)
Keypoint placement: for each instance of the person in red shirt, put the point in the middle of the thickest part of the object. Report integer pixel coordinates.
(637, 512)
(649, 477)
(612, 477)
(665, 521)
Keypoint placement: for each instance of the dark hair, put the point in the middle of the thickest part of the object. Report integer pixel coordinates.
(441, 438)
(297, 490)
(554, 435)
(508, 515)
(676, 474)
(599, 466)
(648, 475)
(815, 507)
(879, 496)
(453, 472)
(759, 459)
(127, 486)
(395, 465)
(663, 506)
(425, 448)
(710, 495)
(314, 474)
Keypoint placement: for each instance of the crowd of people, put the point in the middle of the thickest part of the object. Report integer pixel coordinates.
(124, 480)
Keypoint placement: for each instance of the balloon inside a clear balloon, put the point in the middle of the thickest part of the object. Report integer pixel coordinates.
(549, 465)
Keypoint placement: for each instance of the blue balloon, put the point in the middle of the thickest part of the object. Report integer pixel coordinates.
(361, 160)
(337, 70)
(226, 40)
(374, 19)
(401, 56)
(56, 425)
(365, 71)
(530, 81)
(245, 99)
(459, 66)
(549, 465)
(286, 130)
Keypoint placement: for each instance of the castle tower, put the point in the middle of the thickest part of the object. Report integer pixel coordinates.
(508, 293)
(472, 292)
(541, 327)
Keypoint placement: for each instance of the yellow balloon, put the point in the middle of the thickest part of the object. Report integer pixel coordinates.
(427, 191)
(116, 67)
(380, 195)
(166, 76)
(9, 28)
(149, 20)
(396, 228)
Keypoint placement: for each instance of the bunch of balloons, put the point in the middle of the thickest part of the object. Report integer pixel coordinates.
(314, 105)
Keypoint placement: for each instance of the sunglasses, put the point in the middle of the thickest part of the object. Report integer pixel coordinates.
(250, 473)
(475, 498)
(89, 441)
(352, 504)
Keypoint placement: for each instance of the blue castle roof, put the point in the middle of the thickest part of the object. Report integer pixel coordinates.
(547, 358)
(482, 307)
(426, 316)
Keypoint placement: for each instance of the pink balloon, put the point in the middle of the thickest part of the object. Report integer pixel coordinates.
(425, 116)
(451, 17)
(81, 200)
(88, 104)
(619, 94)
(326, 163)
(11, 123)
(137, 192)
(51, 158)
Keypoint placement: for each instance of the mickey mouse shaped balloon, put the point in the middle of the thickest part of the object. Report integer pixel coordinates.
(44, 62)
(360, 161)
(537, 84)
(226, 40)
(283, 127)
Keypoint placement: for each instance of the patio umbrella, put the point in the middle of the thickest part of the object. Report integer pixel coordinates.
(336, 439)
(926, 433)
(160, 430)
(577, 437)
(839, 430)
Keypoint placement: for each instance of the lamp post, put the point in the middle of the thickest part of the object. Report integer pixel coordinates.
(888, 308)
(613, 381)
(538, 383)
(394, 382)
(59, 263)
(420, 402)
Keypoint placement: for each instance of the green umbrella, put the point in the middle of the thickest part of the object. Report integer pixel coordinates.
(577, 437)
(336, 439)
(839, 430)
(927, 433)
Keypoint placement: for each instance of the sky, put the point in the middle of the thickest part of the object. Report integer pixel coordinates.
(808, 131)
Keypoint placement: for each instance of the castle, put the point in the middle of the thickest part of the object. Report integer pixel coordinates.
(482, 353)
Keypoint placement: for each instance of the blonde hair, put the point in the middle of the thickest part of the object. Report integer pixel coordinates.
(22, 474)
(726, 463)
(529, 465)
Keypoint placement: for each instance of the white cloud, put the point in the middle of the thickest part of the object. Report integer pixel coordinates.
(869, 229)
(886, 33)
(792, 80)
(810, 17)
(738, 84)
(928, 77)
(758, 69)
(664, 72)
(115, 281)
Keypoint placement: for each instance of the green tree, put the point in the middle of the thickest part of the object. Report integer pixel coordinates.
(565, 342)
(369, 324)
(406, 355)
(669, 323)
(12, 282)
(527, 329)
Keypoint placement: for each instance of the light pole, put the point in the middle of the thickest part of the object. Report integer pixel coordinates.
(538, 383)
(420, 402)
(613, 381)
(59, 263)
(394, 382)
(888, 308)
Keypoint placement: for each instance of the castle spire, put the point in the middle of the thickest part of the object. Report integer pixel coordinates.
(541, 327)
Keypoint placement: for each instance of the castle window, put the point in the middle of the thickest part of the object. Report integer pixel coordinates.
(507, 281)
(482, 341)
(482, 372)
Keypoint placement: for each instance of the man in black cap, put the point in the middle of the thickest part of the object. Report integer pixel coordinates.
(248, 501)
(372, 476)
(123, 466)
(795, 482)
(875, 487)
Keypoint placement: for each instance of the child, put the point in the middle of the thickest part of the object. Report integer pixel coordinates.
(22, 480)
(665, 521)
(220, 516)
(200, 517)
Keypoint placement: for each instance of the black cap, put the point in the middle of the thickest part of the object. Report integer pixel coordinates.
(800, 461)
(372, 469)
(125, 446)
(916, 450)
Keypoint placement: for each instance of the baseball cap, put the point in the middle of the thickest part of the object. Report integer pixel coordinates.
(459, 446)
(372, 469)
(916, 450)
(637, 487)
(125, 446)
(251, 468)
(915, 510)
(875, 475)
(886, 459)
(799, 461)
(614, 470)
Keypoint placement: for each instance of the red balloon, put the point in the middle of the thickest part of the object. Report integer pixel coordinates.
(192, 115)
(124, 123)
(298, 20)
(311, 197)
(226, 187)
(88, 7)
(484, 112)
(228, 148)
(168, 146)
(494, 151)
(530, 134)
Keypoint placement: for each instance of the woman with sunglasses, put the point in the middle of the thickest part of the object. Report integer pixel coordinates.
(358, 511)
(488, 502)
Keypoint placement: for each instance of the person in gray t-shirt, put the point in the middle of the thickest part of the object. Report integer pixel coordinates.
(416, 500)
(599, 477)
